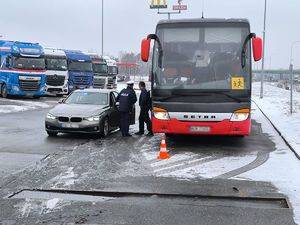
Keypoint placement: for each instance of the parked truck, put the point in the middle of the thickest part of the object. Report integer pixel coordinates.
(100, 70)
(80, 70)
(22, 70)
(56, 71)
(113, 71)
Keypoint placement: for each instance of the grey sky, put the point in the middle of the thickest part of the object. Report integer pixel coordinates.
(76, 24)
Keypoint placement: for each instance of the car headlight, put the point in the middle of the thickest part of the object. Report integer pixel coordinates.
(160, 114)
(92, 118)
(240, 115)
(50, 116)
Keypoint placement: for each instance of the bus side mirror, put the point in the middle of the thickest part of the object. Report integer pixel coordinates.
(257, 47)
(145, 49)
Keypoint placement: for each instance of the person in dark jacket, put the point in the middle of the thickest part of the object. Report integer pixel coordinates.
(127, 98)
(145, 104)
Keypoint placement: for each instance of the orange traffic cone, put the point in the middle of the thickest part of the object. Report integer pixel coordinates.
(163, 153)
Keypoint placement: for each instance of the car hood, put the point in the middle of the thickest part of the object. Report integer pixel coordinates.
(77, 110)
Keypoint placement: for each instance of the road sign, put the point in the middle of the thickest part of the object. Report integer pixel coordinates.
(179, 7)
(158, 4)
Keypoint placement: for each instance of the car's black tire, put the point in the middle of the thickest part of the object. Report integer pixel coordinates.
(104, 127)
(52, 133)
(4, 91)
(36, 97)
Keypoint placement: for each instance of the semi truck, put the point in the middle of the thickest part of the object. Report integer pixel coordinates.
(100, 71)
(201, 76)
(56, 71)
(112, 72)
(80, 70)
(22, 70)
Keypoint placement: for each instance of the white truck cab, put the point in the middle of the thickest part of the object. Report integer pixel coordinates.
(56, 71)
(112, 72)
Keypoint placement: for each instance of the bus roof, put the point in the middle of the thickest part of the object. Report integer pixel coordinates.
(204, 20)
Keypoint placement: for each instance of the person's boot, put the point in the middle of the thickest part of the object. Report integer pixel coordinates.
(139, 133)
(150, 133)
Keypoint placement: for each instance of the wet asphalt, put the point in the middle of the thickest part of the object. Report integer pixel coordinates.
(117, 168)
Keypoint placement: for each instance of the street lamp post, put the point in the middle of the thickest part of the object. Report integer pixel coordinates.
(263, 56)
(102, 28)
(292, 76)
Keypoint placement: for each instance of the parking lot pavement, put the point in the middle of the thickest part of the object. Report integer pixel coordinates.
(82, 164)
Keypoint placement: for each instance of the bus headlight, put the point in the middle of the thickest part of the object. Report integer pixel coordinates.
(160, 114)
(240, 115)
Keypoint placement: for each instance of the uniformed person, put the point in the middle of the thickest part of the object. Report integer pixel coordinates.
(127, 99)
(145, 104)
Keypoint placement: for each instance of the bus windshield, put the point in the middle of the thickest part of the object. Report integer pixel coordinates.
(201, 58)
(29, 63)
(80, 66)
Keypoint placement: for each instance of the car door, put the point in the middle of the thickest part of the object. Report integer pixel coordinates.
(114, 115)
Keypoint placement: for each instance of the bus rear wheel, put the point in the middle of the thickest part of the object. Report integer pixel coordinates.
(4, 91)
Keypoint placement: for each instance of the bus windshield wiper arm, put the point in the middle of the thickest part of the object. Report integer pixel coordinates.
(243, 56)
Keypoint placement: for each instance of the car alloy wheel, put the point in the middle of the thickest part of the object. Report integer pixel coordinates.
(105, 128)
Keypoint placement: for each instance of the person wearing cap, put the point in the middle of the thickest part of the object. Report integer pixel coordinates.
(127, 98)
(145, 104)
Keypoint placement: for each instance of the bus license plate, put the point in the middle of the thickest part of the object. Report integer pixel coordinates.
(200, 129)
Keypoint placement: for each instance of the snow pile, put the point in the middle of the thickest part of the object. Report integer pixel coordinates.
(11, 106)
(282, 168)
(276, 105)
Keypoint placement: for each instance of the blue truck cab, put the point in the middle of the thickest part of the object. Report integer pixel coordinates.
(22, 69)
(80, 70)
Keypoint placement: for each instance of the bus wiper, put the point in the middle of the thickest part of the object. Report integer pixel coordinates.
(243, 56)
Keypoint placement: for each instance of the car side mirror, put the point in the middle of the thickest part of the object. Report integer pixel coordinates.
(117, 104)
(145, 49)
(257, 47)
(61, 101)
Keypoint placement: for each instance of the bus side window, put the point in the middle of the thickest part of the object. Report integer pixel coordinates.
(8, 61)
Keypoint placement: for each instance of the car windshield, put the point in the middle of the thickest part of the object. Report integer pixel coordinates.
(80, 66)
(29, 63)
(56, 63)
(100, 68)
(201, 58)
(89, 98)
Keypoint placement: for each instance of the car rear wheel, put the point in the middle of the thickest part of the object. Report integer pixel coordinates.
(4, 92)
(105, 128)
(52, 133)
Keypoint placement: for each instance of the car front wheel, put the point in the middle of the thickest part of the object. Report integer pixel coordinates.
(105, 128)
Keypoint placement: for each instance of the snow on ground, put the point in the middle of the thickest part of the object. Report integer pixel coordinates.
(281, 169)
(276, 105)
(11, 106)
